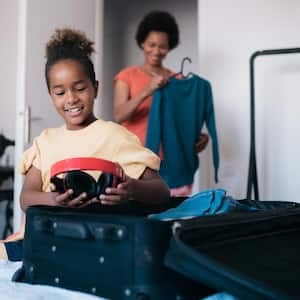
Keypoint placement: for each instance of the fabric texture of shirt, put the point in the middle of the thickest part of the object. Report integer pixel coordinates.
(101, 139)
(178, 112)
(137, 80)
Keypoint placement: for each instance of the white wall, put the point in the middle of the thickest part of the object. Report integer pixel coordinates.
(120, 49)
(43, 18)
(8, 52)
(8, 74)
(230, 31)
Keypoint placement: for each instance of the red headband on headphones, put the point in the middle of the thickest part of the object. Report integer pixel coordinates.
(87, 163)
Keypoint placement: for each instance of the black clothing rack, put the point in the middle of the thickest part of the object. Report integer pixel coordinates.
(252, 171)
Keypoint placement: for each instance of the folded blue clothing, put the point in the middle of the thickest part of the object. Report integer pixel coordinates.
(209, 202)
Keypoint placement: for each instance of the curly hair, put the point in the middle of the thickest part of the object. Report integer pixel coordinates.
(158, 21)
(67, 43)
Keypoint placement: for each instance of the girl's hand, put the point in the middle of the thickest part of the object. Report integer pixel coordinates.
(65, 199)
(121, 194)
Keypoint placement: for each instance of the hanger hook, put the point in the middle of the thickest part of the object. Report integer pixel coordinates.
(183, 61)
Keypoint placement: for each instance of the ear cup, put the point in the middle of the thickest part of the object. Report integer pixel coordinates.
(81, 182)
(105, 180)
(59, 184)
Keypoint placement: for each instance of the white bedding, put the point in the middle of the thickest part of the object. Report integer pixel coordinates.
(20, 291)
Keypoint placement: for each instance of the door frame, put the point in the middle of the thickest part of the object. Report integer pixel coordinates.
(20, 107)
(20, 118)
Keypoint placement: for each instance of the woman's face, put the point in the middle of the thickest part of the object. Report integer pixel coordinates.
(72, 93)
(156, 48)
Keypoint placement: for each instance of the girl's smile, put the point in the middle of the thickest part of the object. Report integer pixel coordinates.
(74, 111)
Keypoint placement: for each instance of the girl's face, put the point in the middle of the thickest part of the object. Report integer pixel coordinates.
(156, 47)
(72, 93)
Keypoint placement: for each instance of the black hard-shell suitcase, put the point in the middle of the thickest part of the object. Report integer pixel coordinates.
(251, 255)
(110, 255)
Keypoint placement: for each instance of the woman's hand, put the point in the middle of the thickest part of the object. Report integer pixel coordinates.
(202, 142)
(157, 81)
(124, 105)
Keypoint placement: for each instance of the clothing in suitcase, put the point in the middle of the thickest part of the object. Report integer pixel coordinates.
(250, 255)
(109, 255)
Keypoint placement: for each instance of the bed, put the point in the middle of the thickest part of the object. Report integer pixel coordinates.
(21, 291)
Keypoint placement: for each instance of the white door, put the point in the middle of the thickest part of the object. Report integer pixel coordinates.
(37, 21)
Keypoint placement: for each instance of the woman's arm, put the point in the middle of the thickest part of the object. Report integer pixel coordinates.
(149, 189)
(32, 193)
(124, 107)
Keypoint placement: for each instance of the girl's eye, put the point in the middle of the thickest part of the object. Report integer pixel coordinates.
(59, 93)
(80, 88)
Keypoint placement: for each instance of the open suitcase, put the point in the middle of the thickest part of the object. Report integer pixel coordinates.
(251, 255)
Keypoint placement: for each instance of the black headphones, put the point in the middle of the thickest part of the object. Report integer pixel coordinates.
(80, 181)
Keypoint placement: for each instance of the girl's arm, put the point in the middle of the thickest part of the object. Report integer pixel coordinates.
(32, 193)
(149, 189)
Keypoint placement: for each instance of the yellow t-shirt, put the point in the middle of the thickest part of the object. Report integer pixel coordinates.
(101, 139)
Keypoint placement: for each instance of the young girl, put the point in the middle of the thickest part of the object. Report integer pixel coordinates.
(72, 85)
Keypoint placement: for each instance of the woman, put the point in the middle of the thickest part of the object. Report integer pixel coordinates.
(157, 34)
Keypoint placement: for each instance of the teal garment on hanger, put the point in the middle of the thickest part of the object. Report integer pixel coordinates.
(178, 112)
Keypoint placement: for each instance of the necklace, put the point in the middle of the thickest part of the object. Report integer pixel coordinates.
(164, 72)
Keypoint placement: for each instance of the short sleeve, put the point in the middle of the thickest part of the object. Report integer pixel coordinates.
(124, 76)
(135, 158)
(31, 157)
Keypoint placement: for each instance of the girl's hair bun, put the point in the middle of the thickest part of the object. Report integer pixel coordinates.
(67, 42)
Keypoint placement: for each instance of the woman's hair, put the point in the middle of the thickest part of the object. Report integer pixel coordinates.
(72, 44)
(158, 21)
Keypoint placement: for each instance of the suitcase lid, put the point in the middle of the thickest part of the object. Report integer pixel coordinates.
(251, 255)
